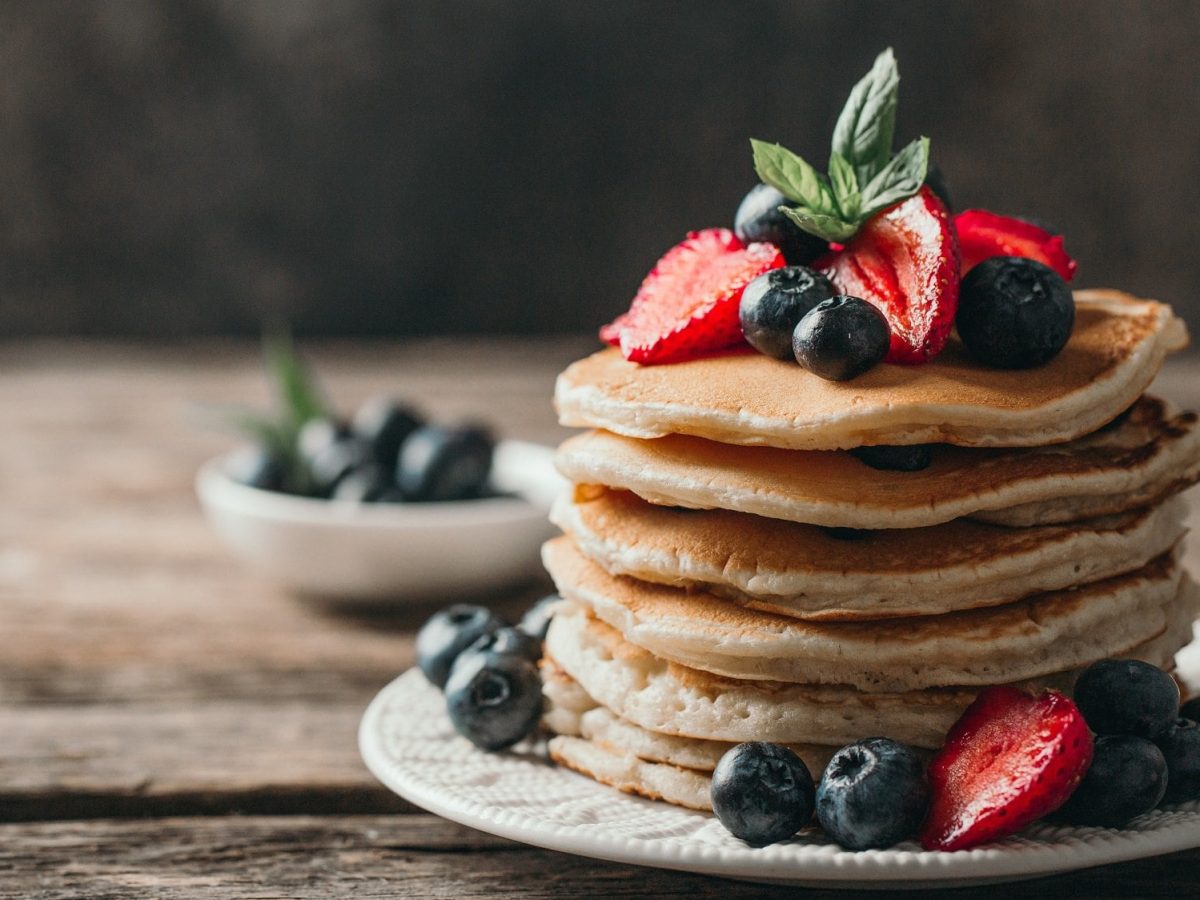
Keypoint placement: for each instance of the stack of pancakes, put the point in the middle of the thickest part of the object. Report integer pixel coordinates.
(733, 573)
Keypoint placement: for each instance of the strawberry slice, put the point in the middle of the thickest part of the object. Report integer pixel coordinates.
(983, 234)
(904, 261)
(688, 305)
(1012, 758)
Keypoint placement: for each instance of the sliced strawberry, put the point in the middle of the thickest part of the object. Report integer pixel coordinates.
(905, 262)
(1012, 758)
(688, 305)
(983, 234)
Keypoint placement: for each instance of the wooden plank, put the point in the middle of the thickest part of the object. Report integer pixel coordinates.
(409, 856)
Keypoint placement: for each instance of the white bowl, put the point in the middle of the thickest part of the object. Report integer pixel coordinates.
(376, 551)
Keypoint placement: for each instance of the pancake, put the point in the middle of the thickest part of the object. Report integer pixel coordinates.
(1153, 453)
(1117, 348)
(1033, 637)
(592, 660)
(807, 572)
(627, 773)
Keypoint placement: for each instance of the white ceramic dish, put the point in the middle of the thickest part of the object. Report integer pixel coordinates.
(409, 744)
(390, 550)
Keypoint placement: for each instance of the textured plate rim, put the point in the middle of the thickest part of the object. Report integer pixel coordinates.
(795, 863)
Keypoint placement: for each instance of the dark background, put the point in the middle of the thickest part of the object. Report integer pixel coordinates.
(361, 167)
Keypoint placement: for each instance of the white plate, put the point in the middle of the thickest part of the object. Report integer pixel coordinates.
(358, 551)
(409, 744)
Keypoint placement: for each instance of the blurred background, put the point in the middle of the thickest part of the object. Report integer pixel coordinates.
(361, 167)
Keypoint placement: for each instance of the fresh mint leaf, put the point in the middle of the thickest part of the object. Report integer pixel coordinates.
(297, 390)
(844, 183)
(899, 179)
(826, 227)
(793, 177)
(864, 131)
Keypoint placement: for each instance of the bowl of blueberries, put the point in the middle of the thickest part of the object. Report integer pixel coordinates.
(381, 505)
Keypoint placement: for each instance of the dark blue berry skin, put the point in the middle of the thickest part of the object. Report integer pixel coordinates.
(335, 462)
(874, 793)
(366, 484)
(508, 641)
(383, 424)
(258, 468)
(448, 633)
(438, 463)
(1127, 778)
(937, 183)
(762, 793)
(773, 304)
(494, 700)
(758, 219)
(1180, 747)
(1127, 696)
(896, 459)
(841, 338)
(1191, 710)
(1014, 313)
(536, 619)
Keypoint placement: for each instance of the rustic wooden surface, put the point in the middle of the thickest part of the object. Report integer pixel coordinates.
(171, 725)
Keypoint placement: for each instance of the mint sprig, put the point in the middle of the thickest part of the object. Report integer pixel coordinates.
(864, 177)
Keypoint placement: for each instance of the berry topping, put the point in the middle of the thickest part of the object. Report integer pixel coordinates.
(1010, 759)
(438, 463)
(773, 304)
(1181, 749)
(536, 619)
(494, 700)
(759, 218)
(895, 459)
(983, 234)
(763, 793)
(905, 262)
(508, 641)
(448, 633)
(1014, 313)
(1127, 696)
(841, 338)
(1127, 778)
(383, 424)
(873, 794)
(688, 305)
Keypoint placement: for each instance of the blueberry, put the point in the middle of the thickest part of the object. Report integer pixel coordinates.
(762, 793)
(898, 459)
(874, 793)
(508, 641)
(1014, 313)
(758, 219)
(334, 462)
(1181, 749)
(1191, 710)
(536, 620)
(937, 183)
(383, 424)
(448, 633)
(317, 435)
(773, 304)
(848, 534)
(841, 338)
(1127, 696)
(366, 484)
(438, 463)
(1127, 778)
(257, 467)
(494, 700)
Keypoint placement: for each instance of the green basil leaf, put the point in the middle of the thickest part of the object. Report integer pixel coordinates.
(845, 187)
(864, 130)
(899, 179)
(793, 177)
(826, 227)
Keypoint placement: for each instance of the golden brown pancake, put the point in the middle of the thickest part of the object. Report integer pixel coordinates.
(1117, 348)
(1150, 455)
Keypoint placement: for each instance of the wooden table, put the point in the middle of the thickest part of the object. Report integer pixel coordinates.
(171, 725)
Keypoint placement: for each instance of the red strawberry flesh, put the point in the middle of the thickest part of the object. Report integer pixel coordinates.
(983, 234)
(904, 261)
(1011, 759)
(688, 305)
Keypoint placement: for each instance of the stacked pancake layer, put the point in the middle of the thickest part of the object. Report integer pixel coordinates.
(731, 573)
